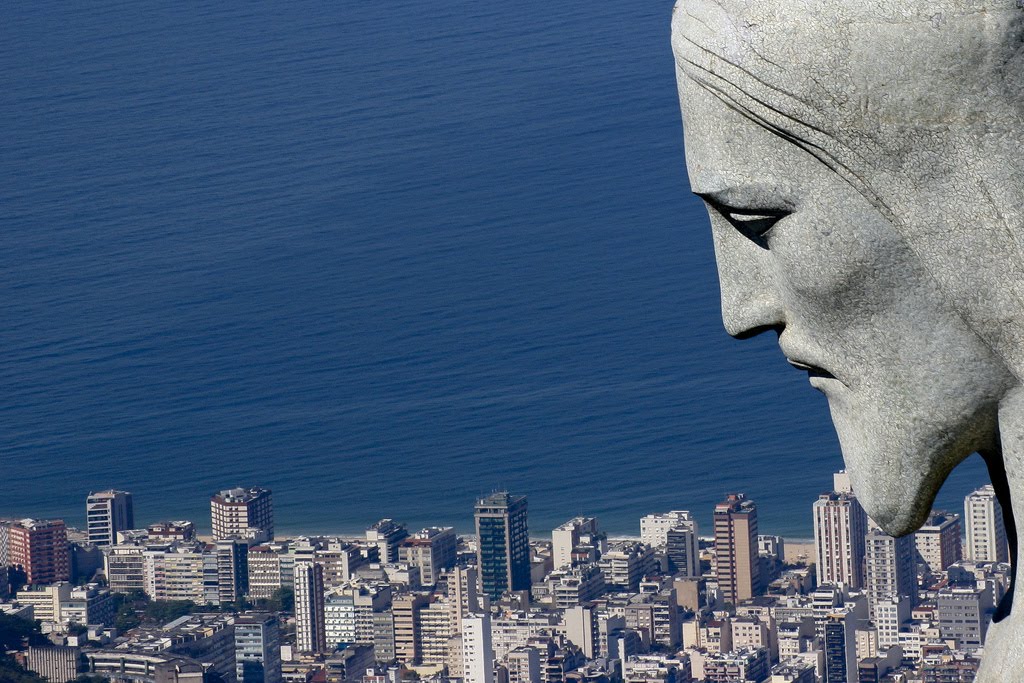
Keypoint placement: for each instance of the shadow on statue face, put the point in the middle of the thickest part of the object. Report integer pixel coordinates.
(911, 388)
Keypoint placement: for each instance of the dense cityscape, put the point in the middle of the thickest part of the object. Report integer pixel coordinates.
(122, 602)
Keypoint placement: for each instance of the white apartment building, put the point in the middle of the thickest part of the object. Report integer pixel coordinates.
(477, 653)
(655, 527)
(578, 532)
(310, 633)
(339, 618)
(45, 600)
(986, 533)
(433, 550)
(890, 568)
(840, 525)
(108, 512)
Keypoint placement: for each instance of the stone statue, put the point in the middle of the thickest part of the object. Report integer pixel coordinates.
(861, 161)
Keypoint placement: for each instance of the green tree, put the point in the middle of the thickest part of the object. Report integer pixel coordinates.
(164, 611)
(128, 608)
(10, 672)
(282, 600)
(16, 632)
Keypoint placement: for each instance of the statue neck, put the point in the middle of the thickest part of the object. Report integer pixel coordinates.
(1004, 656)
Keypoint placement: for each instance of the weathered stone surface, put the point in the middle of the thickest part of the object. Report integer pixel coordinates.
(862, 166)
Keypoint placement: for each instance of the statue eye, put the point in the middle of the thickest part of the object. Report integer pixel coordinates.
(754, 224)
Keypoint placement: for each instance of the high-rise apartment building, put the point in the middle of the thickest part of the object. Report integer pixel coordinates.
(310, 633)
(406, 611)
(964, 615)
(676, 533)
(232, 569)
(432, 550)
(125, 567)
(655, 527)
(108, 512)
(840, 647)
(579, 536)
(840, 525)
(257, 648)
(737, 566)
(986, 533)
(626, 563)
(40, 549)
(388, 535)
(938, 541)
(503, 544)
(477, 651)
(266, 573)
(890, 568)
(682, 549)
(462, 596)
(247, 514)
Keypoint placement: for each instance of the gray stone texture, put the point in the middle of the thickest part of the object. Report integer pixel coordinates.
(861, 163)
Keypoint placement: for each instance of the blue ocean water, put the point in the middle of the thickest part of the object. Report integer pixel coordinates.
(380, 257)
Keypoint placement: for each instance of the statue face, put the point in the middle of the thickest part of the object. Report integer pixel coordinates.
(911, 388)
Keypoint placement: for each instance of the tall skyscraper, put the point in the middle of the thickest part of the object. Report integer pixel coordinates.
(737, 566)
(247, 514)
(503, 544)
(40, 549)
(890, 568)
(938, 541)
(310, 632)
(108, 512)
(986, 533)
(840, 525)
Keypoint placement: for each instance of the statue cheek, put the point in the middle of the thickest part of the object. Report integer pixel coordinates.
(842, 263)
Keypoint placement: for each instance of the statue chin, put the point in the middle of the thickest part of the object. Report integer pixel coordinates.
(895, 473)
(891, 508)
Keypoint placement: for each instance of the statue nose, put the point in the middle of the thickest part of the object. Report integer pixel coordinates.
(751, 316)
(751, 302)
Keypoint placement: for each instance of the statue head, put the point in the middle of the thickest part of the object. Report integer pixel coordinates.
(861, 164)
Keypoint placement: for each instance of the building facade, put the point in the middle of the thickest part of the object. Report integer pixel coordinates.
(938, 541)
(310, 633)
(243, 513)
(890, 568)
(578, 536)
(840, 525)
(432, 550)
(257, 648)
(503, 544)
(40, 549)
(737, 565)
(108, 512)
(986, 532)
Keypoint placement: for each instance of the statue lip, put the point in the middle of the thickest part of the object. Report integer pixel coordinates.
(811, 370)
